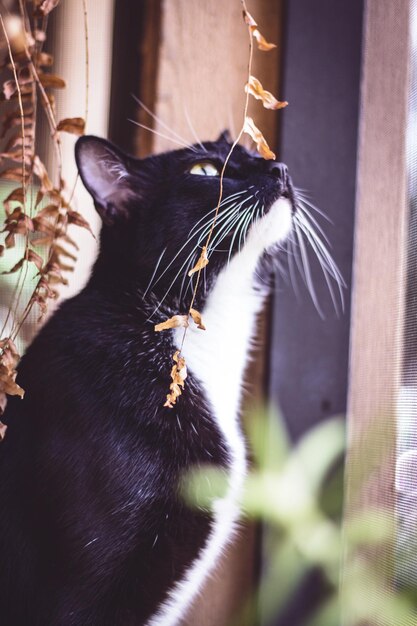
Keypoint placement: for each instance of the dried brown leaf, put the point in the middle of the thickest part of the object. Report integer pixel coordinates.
(59, 250)
(16, 267)
(39, 197)
(15, 196)
(9, 88)
(201, 263)
(43, 225)
(52, 210)
(16, 158)
(2, 249)
(10, 240)
(15, 215)
(52, 80)
(3, 427)
(253, 131)
(249, 20)
(40, 35)
(176, 321)
(44, 59)
(18, 223)
(178, 376)
(263, 44)
(254, 87)
(12, 173)
(74, 125)
(13, 120)
(35, 258)
(9, 358)
(39, 170)
(42, 241)
(76, 218)
(17, 141)
(197, 318)
(48, 5)
(71, 241)
(53, 271)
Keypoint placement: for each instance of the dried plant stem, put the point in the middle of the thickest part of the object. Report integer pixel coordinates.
(50, 117)
(22, 115)
(22, 120)
(87, 59)
(236, 141)
(87, 85)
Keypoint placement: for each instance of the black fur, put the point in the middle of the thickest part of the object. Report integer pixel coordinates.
(93, 531)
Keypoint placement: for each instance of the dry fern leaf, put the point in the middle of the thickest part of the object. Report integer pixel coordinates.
(74, 125)
(31, 256)
(76, 218)
(201, 263)
(176, 321)
(52, 80)
(263, 44)
(261, 145)
(43, 59)
(9, 359)
(40, 170)
(249, 20)
(9, 88)
(48, 5)
(15, 196)
(12, 173)
(178, 376)
(254, 87)
(197, 318)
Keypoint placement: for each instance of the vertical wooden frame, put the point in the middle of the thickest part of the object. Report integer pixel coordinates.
(379, 273)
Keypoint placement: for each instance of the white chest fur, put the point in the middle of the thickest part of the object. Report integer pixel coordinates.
(217, 358)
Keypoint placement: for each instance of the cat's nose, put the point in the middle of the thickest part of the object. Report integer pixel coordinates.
(280, 170)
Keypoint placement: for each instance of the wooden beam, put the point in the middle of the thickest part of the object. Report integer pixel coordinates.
(379, 273)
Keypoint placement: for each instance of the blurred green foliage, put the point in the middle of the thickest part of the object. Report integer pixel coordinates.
(297, 493)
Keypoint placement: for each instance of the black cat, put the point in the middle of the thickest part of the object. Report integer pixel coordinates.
(93, 530)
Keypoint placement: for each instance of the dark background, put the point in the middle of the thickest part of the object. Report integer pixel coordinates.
(308, 363)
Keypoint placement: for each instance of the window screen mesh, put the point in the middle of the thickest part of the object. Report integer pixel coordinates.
(406, 452)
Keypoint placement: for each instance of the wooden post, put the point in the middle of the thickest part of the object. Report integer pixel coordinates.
(379, 273)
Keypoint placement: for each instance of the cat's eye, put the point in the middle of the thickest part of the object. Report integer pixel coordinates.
(204, 169)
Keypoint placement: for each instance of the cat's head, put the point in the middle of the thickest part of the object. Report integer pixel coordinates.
(158, 211)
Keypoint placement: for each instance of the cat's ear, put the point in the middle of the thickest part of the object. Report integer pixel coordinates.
(106, 174)
(225, 136)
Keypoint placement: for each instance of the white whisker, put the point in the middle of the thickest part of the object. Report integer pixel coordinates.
(307, 270)
(159, 121)
(155, 270)
(291, 268)
(312, 206)
(308, 217)
(241, 221)
(221, 234)
(191, 127)
(156, 132)
(327, 264)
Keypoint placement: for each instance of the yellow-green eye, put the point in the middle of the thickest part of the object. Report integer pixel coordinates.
(204, 169)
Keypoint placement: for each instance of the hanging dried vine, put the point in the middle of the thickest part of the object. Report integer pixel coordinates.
(37, 209)
(253, 88)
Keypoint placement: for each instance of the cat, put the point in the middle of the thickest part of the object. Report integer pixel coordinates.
(93, 528)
